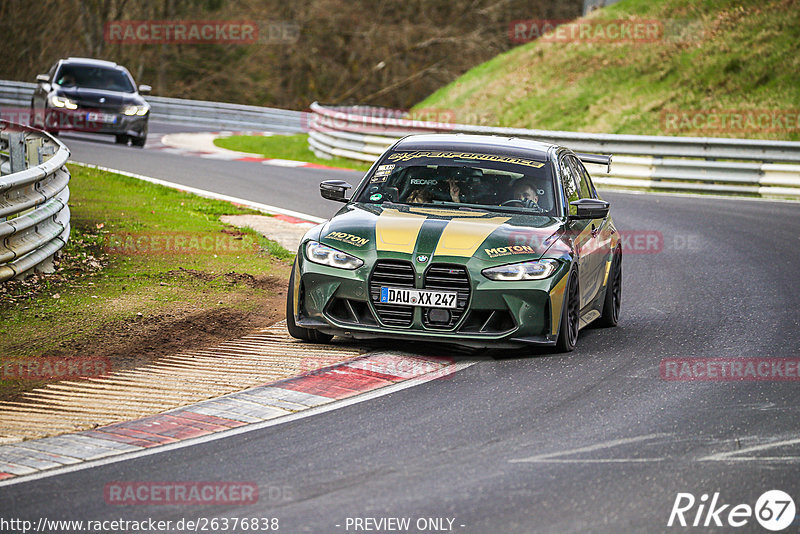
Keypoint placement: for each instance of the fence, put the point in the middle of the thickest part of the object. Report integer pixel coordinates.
(34, 216)
(699, 164)
(191, 112)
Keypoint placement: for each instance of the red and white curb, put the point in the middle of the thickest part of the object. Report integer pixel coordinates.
(201, 144)
(377, 373)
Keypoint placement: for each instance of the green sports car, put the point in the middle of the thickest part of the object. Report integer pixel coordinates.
(474, 240)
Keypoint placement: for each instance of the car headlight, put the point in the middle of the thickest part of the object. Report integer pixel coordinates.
(325, 255)
(136, 110)
(527, 270)
(62, 102)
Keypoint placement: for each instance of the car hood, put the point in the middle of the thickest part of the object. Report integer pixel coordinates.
(99, 98)
(399, 230)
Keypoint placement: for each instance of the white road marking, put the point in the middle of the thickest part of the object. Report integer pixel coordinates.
(736, 456)
(552, 456)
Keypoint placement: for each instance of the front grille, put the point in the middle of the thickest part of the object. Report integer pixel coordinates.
(394, 273)
(444, 277)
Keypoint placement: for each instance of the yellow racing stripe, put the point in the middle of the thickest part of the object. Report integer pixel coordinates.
(463, 237)
(396, 231)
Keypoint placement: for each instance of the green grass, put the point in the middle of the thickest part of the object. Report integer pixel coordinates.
(293, 147)
(716, 55)
(118, 264)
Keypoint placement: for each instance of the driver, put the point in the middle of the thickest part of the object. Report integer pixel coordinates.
(525, 190)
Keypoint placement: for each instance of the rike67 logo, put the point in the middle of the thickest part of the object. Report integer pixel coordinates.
(774, 510)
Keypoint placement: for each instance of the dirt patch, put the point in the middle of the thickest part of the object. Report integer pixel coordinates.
(138, 341)
(267, 283)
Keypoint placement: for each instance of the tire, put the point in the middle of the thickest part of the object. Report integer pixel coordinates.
(138, 141)
(49, 122)
(613, 297)
(298, 332)
(570, 315)
(33, 117)
(121, 139)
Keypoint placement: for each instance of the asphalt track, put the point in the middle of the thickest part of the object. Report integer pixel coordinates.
(591, 441)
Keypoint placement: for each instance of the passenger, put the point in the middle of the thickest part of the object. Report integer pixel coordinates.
(419, 196)
(455, 186)
(460, 182)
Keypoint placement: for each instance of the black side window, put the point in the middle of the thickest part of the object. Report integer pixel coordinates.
(585, 182)
(569, 182)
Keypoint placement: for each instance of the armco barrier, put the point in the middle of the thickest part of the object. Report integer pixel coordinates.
(34, 216)
(695, 164)
(191, 112)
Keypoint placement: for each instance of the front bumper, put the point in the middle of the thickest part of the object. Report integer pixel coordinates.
(496, 315)
(81, 120)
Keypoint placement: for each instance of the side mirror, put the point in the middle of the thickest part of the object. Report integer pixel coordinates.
(334, 190)
(43, 78)
(145, 89)
(590, 208)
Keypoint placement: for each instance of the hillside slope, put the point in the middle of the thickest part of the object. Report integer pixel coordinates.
(715, 62)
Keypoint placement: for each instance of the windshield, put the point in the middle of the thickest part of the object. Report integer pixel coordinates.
(94, 78)
(460, 179)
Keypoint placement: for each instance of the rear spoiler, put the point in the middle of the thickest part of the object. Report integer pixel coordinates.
(596, 158)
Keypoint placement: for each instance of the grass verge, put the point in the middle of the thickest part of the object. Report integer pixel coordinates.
(147, 271)
(716, 62)
(293, 147)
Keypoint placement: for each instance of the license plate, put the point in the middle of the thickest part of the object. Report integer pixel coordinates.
(101, 117)
(418, 297)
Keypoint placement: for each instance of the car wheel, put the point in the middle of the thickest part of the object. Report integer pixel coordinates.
(570, 316)
(50, 121)
(34, 118)
(306, 334)
(121, 139)
(613, 298)
(138, 141)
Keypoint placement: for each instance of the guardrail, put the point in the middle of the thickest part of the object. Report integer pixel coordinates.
(34, 216)
(701, 164)
(183, 111)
